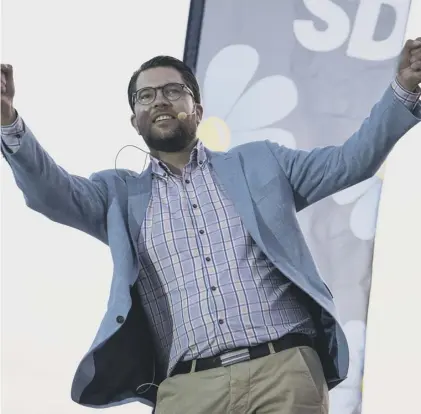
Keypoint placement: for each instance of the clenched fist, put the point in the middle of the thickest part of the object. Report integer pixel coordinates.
(409, 68)
(8, 113)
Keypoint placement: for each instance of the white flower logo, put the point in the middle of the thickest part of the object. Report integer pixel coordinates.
(234, 114)
(363, 218)
(347, 396)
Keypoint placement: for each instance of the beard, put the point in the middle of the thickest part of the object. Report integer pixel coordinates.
(174, 139)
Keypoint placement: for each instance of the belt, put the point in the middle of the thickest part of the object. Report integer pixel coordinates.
(243, 354)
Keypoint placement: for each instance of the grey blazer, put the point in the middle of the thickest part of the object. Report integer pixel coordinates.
(268, 184)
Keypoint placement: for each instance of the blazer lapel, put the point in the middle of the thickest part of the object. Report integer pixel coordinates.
(230, 175)
(139, 193)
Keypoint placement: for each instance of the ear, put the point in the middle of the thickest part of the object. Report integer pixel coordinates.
(199, 112)
(134, 123)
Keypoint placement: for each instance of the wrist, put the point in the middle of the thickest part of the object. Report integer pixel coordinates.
(406, 85)
(8, 116)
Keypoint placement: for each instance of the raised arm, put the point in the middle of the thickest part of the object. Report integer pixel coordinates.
(324, 171)
(68, 199)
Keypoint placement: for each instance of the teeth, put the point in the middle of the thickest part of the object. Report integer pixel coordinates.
(162, 117)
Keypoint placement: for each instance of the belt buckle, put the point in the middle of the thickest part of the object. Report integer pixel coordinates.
(234, 357)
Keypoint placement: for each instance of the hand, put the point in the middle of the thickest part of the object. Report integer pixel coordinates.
(8, 113)
(409, 68)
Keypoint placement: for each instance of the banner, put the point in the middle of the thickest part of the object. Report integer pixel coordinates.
(305, 73)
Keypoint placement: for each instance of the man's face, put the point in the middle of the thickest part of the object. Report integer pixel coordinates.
(167, 135)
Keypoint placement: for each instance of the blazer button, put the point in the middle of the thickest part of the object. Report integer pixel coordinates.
(120, 319)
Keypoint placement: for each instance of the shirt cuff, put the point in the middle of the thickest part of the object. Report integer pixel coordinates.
(409, 99)
(11, 135)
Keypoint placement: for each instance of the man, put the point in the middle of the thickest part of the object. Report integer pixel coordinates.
(216, 305)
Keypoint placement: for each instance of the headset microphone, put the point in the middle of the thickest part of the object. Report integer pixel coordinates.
(183, 115)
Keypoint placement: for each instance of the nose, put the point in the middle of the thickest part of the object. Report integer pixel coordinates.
(160, 99)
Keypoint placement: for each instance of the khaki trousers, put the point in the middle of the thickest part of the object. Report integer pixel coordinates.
(287, 382)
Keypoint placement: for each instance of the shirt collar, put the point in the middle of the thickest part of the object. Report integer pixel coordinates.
(198, 157)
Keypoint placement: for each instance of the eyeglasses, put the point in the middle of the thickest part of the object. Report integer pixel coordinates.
(171, 91)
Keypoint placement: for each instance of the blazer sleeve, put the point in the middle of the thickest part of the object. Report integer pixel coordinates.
(321, 172)
(71, 200)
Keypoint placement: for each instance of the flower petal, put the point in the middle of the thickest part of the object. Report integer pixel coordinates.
(364, 214)
(278, 135)
(349, 195)
(266, 102)
(226, 78)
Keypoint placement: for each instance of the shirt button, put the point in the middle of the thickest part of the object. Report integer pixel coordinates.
(213, 287)
(221, 321)
(200, 162)
(208, 259)
(187, 181)
(120, 319)
(194, 205)
(202, 231)
(18, 136)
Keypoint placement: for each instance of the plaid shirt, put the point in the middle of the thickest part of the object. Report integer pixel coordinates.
(206, 286)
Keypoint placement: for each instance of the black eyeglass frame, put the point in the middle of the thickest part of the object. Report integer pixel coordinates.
(155, 89)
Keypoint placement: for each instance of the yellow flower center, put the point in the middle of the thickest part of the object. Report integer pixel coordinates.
(214, 133)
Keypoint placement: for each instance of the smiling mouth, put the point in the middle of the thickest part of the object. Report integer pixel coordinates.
(163, 118)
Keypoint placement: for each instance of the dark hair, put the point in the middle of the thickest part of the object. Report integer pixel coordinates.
(166, 61)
